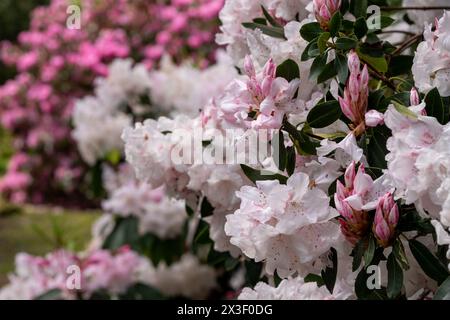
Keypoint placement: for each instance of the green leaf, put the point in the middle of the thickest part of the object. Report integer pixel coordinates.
(125, 232)
(327, 73)
(288, 70)
(377, 149)
(399, 253)
(310, 31)
(280, 153)
(269, 18)
(370, 251)
(346, 43)
(53, 294)
(443, 292)
(380, 64)
(314, 278)
(361, 28)
(317, 67)
(322, 42)
(290, 160)
(312, 46)
(395, 277)
(357, 254)
(412, 221)
(202, 233)
(275, 32)
(230, 264)
(359, 8)
(253, 272)
(335, 24)
(428, 262)
(386, 21)
(340, 63)
(206, 209)
(435, 106)
(400, 65)
(324, 114)
(140, 291)
(256, 175)
(330, 273)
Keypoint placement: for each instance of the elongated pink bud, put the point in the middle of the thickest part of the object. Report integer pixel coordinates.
(414, 97)
(353, 62)
(350, 175)
(386, 220)
(249, 68)
(270, 68)
(324, 11)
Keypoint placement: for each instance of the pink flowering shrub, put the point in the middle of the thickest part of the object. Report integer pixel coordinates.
(56, 65)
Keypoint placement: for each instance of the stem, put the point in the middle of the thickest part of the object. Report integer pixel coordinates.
(415, 8)
(398, 31)
(408, 43)
(381, 77)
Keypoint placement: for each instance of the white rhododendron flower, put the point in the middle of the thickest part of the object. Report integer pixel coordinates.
(287, 226)
(431, 68)
(294, 289)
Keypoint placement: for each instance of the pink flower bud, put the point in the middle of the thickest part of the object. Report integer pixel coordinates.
(350, 174)
(374, 118)
(414, 97)
(386, 220)
(270, 68)
(353, 62)
(324, 11)
(249, 68)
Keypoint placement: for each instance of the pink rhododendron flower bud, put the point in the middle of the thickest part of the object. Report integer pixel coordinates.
(249, 67)
(374, 118)
(386, 220)
(415, 99)
(324, 11)
(356, 94)
(350, 200)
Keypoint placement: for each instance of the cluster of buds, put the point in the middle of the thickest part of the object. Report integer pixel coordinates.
(324, 10)
(356, 94)
(349, 201)
(386, 220)
(260, 85)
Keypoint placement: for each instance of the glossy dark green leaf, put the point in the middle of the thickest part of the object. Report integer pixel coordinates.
(324, 114)
(341, 65)
(395, 277)
(428, 262)
(310, 31)
(346, 43)
(269, 18)
(361, 27)
(435, 106)
(443, 292)
(335, 24)
(329, 274)
(288, 70)
(370, 251)
(256, 175)
(275, 32)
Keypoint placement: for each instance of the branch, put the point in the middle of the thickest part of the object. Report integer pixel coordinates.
(408, 43)
(414, 8)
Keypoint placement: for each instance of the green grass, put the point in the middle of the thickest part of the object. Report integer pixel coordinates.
(40, 230)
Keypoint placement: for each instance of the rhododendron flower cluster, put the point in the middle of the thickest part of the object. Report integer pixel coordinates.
(314, 152)
(57, 65)
(99, 270)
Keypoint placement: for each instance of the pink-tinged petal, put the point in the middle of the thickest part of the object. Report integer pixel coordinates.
(267, 106)
(363, 182)
(374, 118)
(414, 97)
(355, 201)
(346, 109)
(270, 68)
(249, 67)
(382, 231)
(350, 174)
(354, 63)
(393, 216)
